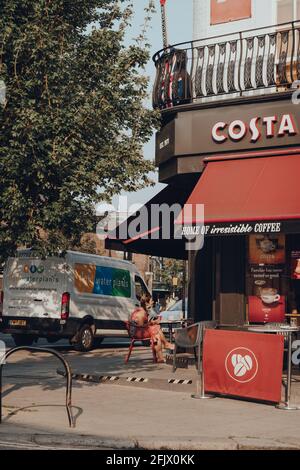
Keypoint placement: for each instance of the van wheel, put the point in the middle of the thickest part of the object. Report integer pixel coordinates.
(84, 339)
(23, 340)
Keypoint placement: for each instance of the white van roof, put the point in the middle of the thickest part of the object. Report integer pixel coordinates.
(106, 258)
(28, 253)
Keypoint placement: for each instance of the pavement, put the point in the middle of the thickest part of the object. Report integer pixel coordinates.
(154, 413)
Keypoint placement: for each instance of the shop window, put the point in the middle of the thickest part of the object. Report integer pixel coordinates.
(267, 278)
(288, 10)
(273, 277)
(224, 11)
(293, 253)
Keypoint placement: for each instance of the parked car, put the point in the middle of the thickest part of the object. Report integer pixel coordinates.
(174, 314)
(82, 297)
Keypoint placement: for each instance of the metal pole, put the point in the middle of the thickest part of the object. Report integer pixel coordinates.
(289, 371)
(1, 366)
(184, 306)
(286, 405)
(164, 23)
(201, 395)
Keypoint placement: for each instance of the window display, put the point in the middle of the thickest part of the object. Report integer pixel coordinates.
(266, 262)
(295, 265)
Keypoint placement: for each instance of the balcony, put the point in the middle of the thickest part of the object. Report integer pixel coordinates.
(247, 63)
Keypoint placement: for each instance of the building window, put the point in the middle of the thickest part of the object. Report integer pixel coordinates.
(288, 10)
(224, 11)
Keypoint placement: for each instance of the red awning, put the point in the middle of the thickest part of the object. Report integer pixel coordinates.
(247, 189)
(150, 241)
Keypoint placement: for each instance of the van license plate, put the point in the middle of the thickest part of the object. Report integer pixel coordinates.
(17, 322)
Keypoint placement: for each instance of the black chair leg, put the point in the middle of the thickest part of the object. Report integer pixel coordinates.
(174, 358)
(129, 351)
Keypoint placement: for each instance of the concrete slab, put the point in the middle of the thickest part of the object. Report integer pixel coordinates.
(133, 415)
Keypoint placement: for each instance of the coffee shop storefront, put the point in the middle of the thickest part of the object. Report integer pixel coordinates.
(248, 267)
(241, 159)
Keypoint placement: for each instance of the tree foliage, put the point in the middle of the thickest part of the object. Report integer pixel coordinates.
(74, 121)
(170, 269)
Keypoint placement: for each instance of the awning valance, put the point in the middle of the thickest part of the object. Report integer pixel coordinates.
(258, 194)
(240, 196)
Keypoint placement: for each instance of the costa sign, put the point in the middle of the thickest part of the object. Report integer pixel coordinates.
(269, 126)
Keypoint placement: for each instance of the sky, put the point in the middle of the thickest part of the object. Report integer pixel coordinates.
(180, 23)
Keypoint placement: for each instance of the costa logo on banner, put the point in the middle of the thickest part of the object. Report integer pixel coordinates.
(243, 364)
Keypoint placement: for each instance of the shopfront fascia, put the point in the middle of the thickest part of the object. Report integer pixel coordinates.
(256, 125)
(245, 153)
(241, 159)
(248, 267)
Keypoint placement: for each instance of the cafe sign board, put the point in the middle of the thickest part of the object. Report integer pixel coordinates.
(271, 126)
(239, 228)
(248, 126)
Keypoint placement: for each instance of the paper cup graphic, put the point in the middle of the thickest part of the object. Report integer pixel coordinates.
(269, 295)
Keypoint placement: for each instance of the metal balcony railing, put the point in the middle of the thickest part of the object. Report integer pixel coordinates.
(250, 62)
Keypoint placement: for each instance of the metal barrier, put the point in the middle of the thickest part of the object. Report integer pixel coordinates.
(68, 375)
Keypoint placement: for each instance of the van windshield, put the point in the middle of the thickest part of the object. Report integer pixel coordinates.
(140, 287)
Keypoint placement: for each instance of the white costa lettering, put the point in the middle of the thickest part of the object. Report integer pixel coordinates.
(272, 126)
(254, 129)
(287, 125)
(220, 126)
(242, 130)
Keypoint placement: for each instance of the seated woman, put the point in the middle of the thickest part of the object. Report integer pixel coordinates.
(146, 317)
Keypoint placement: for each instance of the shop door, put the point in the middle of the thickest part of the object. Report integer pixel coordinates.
(230, 259)
(201, 291)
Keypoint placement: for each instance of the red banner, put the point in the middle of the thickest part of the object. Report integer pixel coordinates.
(243, 364)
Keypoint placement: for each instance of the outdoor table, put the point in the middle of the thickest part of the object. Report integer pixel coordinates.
(170, 325)
(288, 330)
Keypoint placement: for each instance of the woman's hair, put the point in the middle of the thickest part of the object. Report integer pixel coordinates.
(145, 299)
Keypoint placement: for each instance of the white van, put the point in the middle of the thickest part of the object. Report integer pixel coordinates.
(80, 296)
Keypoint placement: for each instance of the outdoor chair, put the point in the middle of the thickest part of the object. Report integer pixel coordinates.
(191, 337)
(138, 333)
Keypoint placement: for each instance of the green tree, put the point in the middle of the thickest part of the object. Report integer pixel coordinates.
(74, 121)
(171, 269)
